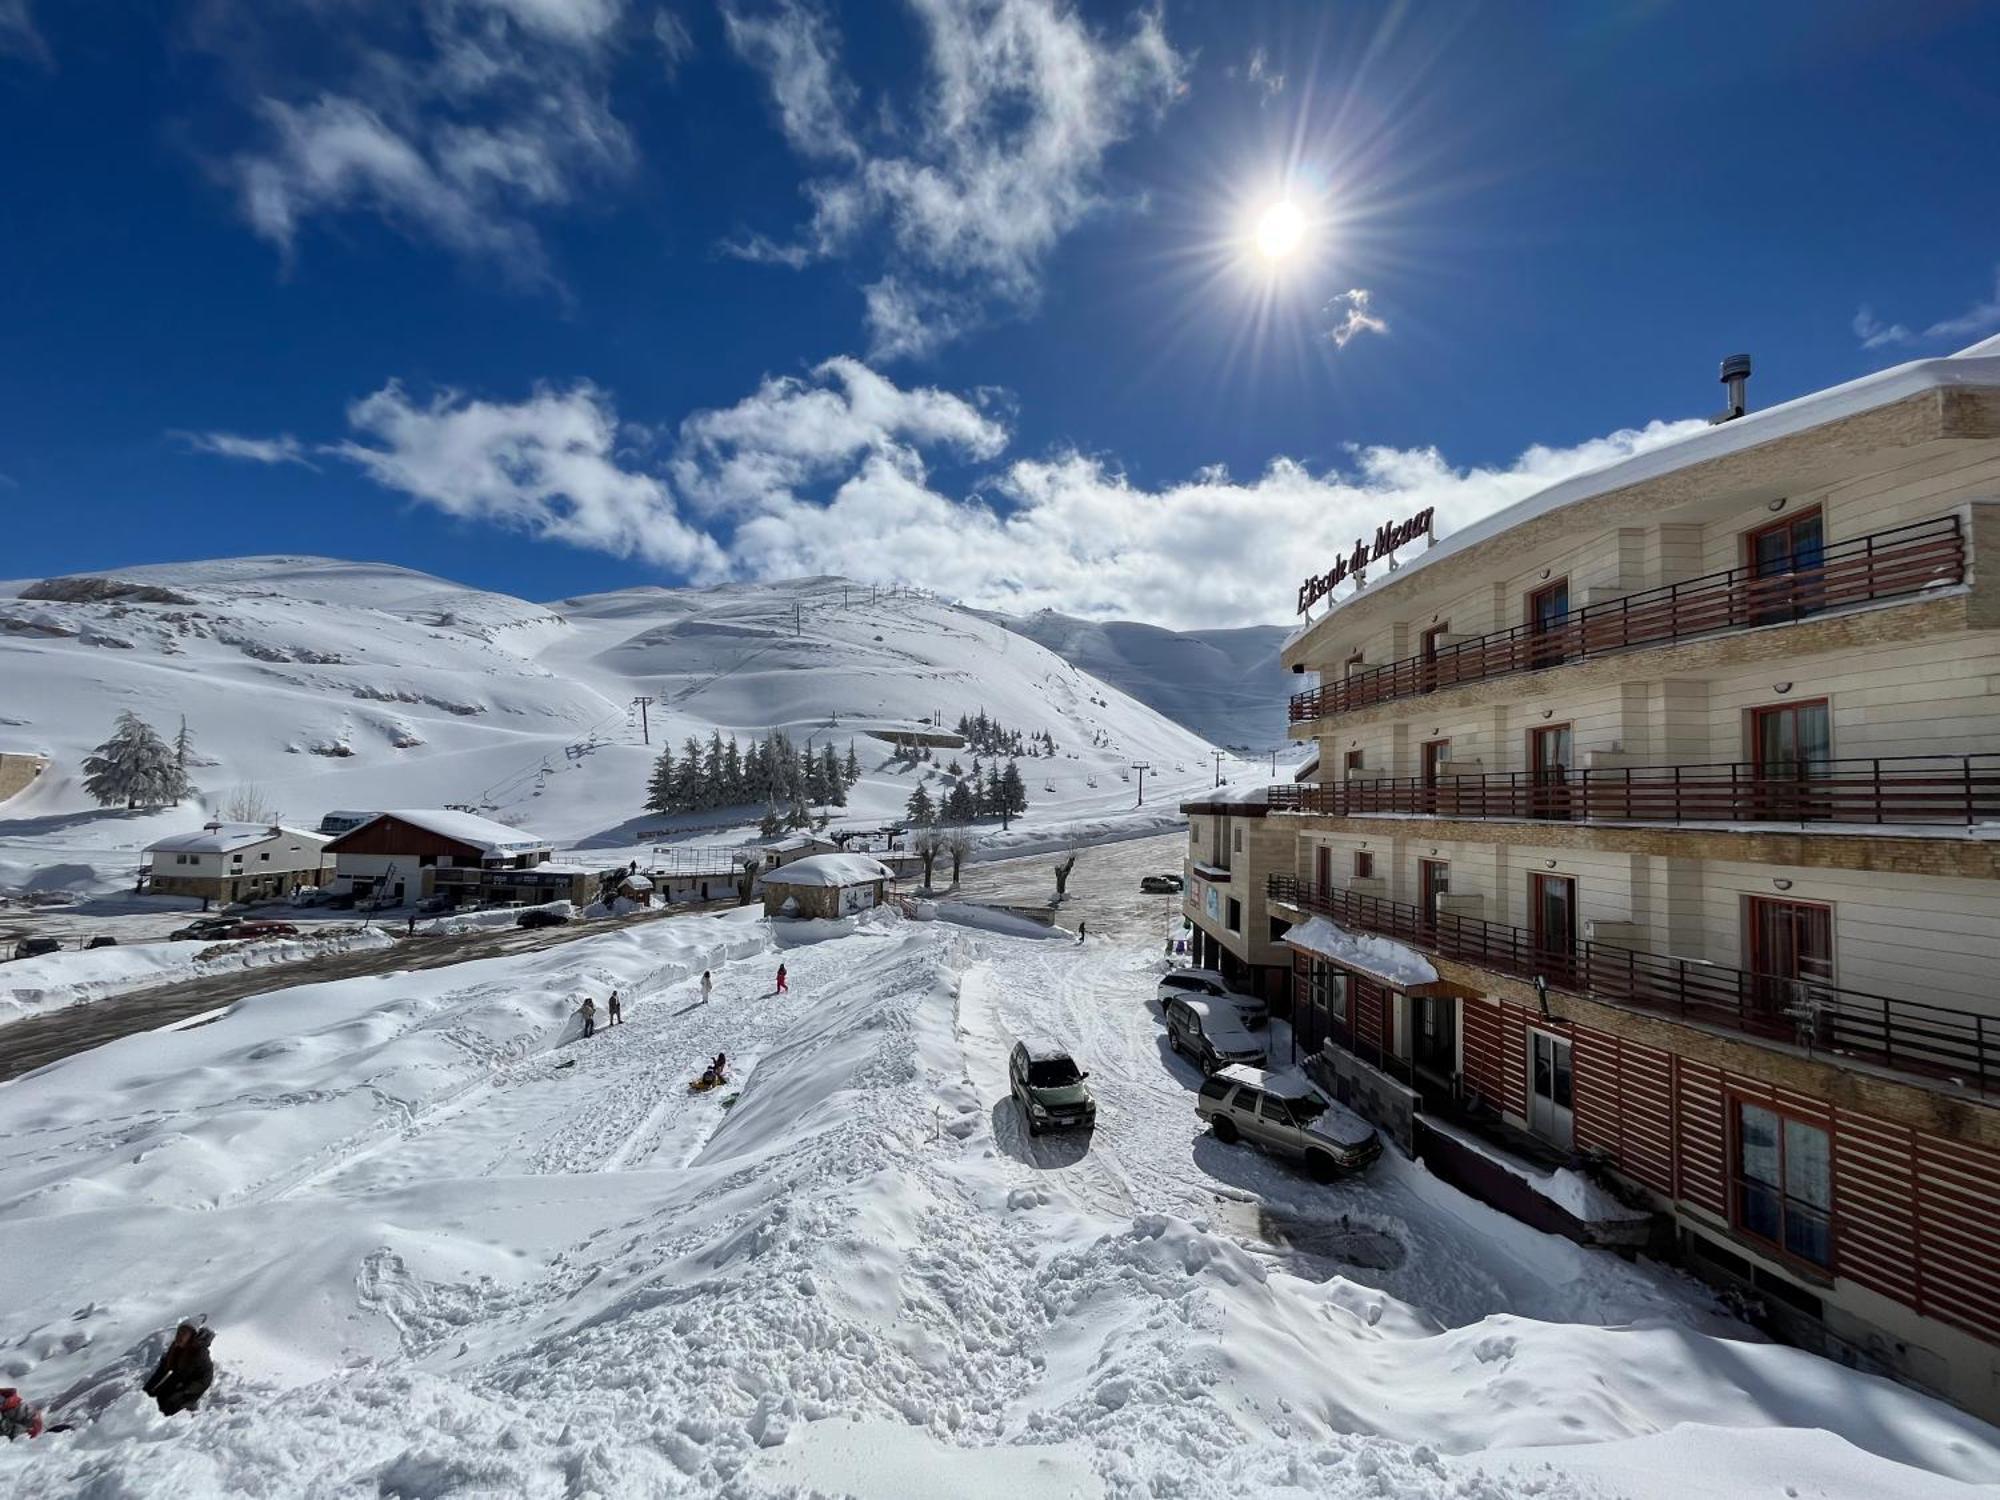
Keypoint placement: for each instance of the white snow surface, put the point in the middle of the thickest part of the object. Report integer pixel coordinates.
(821, 870)
(450, 1248)
(223, 838)
(1384, 958)
(329, 684)
(56, 981)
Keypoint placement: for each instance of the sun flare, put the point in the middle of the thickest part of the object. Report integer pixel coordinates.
(1281, 230)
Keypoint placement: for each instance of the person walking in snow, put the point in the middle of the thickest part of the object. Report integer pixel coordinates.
(707, 986)
(589, 1013)
(617, 1011)
(183, 1375)
(781, 981)
(1082, 927)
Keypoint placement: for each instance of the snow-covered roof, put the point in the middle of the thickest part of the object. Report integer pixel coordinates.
(1042, 1049)
(226, 838)
(1378, 957)
(466, 828)
(830, 869)
(1290, 1084)
(1246, 801)
(1976, 366)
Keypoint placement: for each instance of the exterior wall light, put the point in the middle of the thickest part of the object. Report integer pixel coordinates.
(1777, 504)
(1781, 687)
(1783, 885)
(1550, 863)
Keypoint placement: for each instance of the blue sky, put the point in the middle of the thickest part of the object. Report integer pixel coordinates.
(561, 295)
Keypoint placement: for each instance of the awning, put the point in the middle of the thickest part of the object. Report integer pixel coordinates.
(1379, 958)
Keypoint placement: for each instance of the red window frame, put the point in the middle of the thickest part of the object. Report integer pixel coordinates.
(1433, 881)
(1548, 952)
(1733, 1166)
(1323, 867)
(1542, 651)
(1548, 785)
(1770, 528)
(1774, 602)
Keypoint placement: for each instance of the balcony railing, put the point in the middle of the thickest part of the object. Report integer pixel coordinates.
(1933, 790)
(1911, 1035)
(1889, 564)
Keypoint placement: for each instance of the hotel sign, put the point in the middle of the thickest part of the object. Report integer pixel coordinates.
(1388, 537)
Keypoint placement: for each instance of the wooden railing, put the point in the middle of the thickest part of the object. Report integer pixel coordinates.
(1932, 790)
(1883, 565)
(1911, 1035)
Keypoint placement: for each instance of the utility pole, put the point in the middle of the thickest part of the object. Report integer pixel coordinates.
(1274, 764)
(798, 617)
(645, 731)
(1217, 754)
(1142, 767)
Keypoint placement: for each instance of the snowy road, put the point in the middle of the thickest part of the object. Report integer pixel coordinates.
(453, 1249)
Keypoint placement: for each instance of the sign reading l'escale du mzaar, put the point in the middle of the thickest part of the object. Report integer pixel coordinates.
(1388, 537)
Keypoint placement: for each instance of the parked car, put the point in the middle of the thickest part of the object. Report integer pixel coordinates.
(102, 940)
(255, 930)
(1287, 1115)
(435, 903)
(1207, 982)
(204, 928)
(36, 947)
(1159, 885)
(1210, 1031)
(536, 916)
(1048, 1086)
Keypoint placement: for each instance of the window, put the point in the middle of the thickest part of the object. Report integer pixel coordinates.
(1275, 1110)
(236, 859)
(1364, 865)
(1785, 563)
(1239, 841)
(1790, 745)
(1549, 763)
(1548, 608)
(265, 857)
(1791, 954)
(1235, 915)
(1784, 1183)
(1353, 762)
(1552, 903)
(180, 859)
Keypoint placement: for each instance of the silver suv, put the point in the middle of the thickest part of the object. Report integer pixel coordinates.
(1048, 1085)
(1286, 1114)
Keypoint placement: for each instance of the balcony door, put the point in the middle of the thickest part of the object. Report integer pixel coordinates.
(1427, 658)
(1791, 958)
(1435, 754)
(1552, 902)
(1322, 869)
(1551, 1105)
(1433, 883)
(1787, 563)
(1548, 610)
(1548, 772)
(1791, 745)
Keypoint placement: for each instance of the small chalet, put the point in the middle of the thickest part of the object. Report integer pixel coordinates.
(826, 885)
(237, 862)
(794, 847)
(402, 856)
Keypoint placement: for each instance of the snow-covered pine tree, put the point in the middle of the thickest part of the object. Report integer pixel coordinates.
(919, 808)
(833, 782)
(732, 773)
(768, 825)
(183, 756)
(660, 785)
(1013, 791)
(959, 804)
(711, 771)
(690, 792)
(992, 800)
(851, 770)
(134, 767)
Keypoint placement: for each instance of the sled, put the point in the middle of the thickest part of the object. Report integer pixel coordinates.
(566, 1063)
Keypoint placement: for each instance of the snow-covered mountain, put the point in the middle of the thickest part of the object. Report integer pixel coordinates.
(1225, 685)
(330, 684)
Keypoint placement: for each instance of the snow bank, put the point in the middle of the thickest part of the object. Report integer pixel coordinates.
(499, 916)
(1107, 828)
(31, 986)
(1571, 1191)
(991, 919)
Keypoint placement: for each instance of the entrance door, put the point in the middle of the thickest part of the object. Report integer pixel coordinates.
(1791, 956)
(1433, 881)
(1786, 563)
(1552, 899)
(1434, 1034)
(1791, 745)
(1551, 1113)
(1548, 771)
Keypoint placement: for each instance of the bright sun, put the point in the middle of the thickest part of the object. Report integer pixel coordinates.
(1281, 229)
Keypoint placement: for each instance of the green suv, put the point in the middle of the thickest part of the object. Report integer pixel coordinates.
(1048, 1085)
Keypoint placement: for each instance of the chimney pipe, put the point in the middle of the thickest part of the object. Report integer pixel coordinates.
(1735, 374)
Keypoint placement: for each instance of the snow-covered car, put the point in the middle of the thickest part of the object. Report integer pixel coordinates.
(1211, 1031)
(1210, 984)
(35, 947)
(205, 929)
(1048, 1085)
(1282, 1112)
(254, 930)
(1159, 885)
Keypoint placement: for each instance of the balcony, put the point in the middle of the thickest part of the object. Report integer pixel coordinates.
(1893, 564)
(1909, 1035)
(1952, 791)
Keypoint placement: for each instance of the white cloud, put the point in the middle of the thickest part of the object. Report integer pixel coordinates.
(454, 120)
(984, 174)
(548, 465)
(1875, 334)
(1354, 317)
(1266, 79)
(1981, 317)
(675, 41)
(18, 36)
(911, 321)
(282, 449)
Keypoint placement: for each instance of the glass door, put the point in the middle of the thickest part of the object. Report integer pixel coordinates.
(1548, 609)
(1435, 754)
(1548, 772)
(1433, 881)
(1791, 958)
(1552, 904)
(1791, 745)
(1551, 1110)
(1434, 1034)
(1787, 563)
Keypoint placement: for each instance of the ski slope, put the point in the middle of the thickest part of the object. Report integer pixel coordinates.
(349, 685)
(451, 1248)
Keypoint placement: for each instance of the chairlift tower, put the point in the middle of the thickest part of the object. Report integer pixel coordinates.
(1142, 767)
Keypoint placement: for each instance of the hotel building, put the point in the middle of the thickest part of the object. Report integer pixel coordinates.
(1657, 825)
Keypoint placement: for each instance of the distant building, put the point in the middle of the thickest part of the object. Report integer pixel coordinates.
(237, 862)
(337, 823)
(826, 885)
(1233, 848)
(402, 856)
(18, 772)
(795, 846)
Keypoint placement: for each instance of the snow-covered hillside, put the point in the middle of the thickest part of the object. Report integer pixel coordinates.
(1225, 685)
(332, 684)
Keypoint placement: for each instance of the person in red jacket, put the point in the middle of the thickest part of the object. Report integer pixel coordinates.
(781, 980)
(17, 1418)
